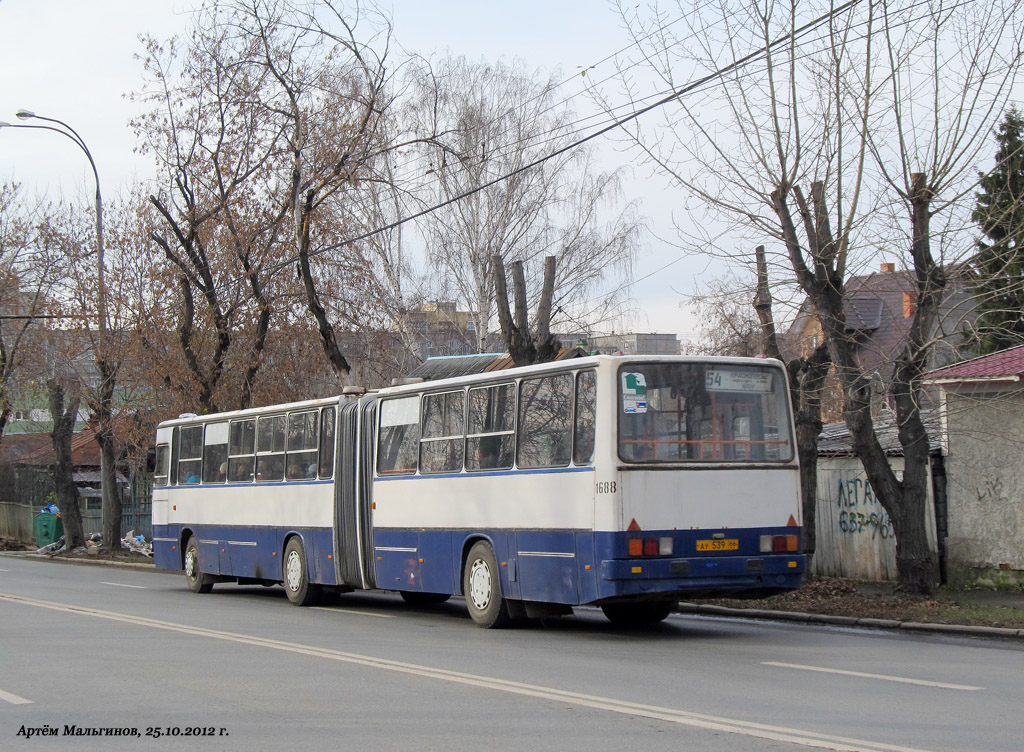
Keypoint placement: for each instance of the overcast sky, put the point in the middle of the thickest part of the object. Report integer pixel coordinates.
(75, 61)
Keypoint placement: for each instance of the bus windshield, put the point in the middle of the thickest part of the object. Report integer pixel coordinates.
(703, 412)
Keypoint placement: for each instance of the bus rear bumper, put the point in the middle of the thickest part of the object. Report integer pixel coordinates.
(722, 576)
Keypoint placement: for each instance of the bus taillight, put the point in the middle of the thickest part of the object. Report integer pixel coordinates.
(651, 546)
(778, 543)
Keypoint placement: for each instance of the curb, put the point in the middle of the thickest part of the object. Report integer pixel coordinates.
(847, 621)
(146, 566)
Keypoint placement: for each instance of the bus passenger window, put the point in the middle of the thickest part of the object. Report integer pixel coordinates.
(302, 444)
(190, 456)
(399, 438)
(270, 448)
(545, 421)
(327, 442)
(586, 414)
(215, 453)
(490, 433)
(163, 461)
(443, 442)
(242, 451)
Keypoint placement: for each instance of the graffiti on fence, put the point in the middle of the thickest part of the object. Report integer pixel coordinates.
(860, 512)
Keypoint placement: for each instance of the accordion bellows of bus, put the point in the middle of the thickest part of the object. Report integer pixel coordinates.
(620, 482)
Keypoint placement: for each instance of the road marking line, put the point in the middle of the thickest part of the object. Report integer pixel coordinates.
(121, 584)
(5, 570)
(669, 715)
(13, 699)
(902, 679)
(351, 611)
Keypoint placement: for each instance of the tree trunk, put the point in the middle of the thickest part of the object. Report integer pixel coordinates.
(111, 514)
(524, 348)
(62, 470)
(806, 380)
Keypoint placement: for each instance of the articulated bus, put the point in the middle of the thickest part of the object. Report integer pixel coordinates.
(625, 483)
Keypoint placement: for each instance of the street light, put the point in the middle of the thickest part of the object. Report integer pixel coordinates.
(106, 376)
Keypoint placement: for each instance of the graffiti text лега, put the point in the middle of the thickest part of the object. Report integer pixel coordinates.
(860, 512)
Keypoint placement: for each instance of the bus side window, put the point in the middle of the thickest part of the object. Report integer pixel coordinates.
(163, 460)
(270, 448)
(544, 432)
(302, 444)
(586, 411)
(175, 444)
(490, 431)
(442, 443)
(215, 453)
(242, 451)
(327, 442)
(398, 441)
(190, 455)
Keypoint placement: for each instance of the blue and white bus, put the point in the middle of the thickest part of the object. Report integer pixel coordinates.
(622, 482)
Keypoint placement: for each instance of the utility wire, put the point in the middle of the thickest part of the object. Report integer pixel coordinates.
(676, 94)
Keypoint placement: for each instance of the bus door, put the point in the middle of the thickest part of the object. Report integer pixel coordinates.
(346, 537)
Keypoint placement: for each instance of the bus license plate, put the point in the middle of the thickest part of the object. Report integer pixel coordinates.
(727, 544)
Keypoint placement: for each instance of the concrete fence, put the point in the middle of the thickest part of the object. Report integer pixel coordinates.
(16, 521)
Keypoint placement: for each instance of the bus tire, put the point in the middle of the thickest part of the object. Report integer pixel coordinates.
(423, 599)
(197, 581)
(482, 588)
(297, 587)
(638, 614)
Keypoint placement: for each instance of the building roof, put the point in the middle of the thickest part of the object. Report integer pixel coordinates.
(448, 366)
(37, 449)
(834, 438)
(1005, 365)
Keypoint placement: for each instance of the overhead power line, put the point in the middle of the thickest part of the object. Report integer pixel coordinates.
(618, 123)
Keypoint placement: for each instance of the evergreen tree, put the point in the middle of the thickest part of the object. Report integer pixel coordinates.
(999, 264)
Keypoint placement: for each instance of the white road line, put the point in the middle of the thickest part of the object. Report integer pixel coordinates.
(5, 570)
(13, 699)
(351, 611)
(884, 677)
(121, 584)
(668, 715)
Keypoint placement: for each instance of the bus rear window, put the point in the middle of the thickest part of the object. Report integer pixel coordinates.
(703, 412)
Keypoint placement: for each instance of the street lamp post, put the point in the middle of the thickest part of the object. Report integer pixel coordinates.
(105, 411)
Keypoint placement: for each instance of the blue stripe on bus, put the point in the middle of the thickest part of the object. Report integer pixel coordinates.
(221, 554)
(555, 566)
(484, 473)
(208, 486)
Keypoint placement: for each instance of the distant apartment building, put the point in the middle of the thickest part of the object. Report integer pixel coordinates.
(439, 329)
(632, 344)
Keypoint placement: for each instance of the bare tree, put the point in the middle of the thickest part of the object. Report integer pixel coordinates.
(28, 271)
(525, 346)
(882, 111)
(488, 123)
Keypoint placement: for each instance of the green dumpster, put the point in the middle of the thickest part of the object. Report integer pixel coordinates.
(48, 528)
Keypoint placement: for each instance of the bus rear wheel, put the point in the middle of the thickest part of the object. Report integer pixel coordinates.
(423, 599)
(638, 614)
(297, 586)
(197, 581)
(482, 588)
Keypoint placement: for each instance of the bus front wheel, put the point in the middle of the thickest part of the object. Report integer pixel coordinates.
(482, 588)
(197, 581)
(638, 614)
(297, 586)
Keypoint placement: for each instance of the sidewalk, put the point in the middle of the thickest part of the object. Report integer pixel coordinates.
(844, 603)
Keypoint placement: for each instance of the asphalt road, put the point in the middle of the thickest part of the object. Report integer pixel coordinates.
(88, 649)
